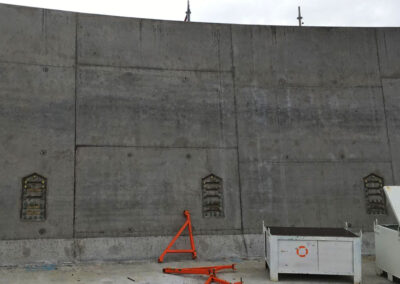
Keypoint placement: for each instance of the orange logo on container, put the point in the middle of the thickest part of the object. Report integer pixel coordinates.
(302, 251)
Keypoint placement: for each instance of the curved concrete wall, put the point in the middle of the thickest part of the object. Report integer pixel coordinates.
(126, 116)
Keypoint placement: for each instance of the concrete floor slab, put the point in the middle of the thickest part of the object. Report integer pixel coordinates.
(252, 271)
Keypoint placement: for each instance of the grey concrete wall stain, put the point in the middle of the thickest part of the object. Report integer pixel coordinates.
(135, 107)
(132, 113)
(139, 191)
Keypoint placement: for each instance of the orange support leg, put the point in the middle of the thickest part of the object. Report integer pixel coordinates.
(210, 271)
(214, 279)
(188, 224)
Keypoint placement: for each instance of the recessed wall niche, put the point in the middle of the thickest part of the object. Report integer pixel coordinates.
(33, 199)
(213, 197)
(375, 197)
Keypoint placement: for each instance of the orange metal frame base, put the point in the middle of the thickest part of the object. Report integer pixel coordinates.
(188, 224)
(210, 271)
(214, 279)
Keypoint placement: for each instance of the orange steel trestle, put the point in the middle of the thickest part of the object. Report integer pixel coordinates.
(210, 271)
(214, 279)
(188, 224)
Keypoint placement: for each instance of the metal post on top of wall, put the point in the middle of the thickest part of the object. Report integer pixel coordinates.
(300, 18)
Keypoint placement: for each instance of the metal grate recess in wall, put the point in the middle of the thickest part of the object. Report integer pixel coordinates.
(33, 199)
(213, 205)
(376, 201)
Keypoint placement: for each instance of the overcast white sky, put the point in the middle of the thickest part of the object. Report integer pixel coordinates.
(263, 12)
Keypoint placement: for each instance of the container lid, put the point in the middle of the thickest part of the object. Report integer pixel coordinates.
(393, 195)
(311, 232)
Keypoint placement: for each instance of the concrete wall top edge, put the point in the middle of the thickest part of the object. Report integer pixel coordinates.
(37, 36)
(197, 23)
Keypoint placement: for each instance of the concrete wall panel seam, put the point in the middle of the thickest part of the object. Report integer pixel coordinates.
(237, 137)
(384, 106)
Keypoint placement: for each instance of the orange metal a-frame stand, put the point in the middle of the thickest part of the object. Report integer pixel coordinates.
(210, 271)
(188, 224)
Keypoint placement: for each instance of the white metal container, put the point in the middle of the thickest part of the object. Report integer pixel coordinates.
(330, 251)
(387, 238)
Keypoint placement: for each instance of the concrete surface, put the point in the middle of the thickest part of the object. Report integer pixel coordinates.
(391, 89)
(151, 44)
(37, 135)
(80, 250)
(37, 37)
(149, 273)
(139, 201)
(124, 117)
(140, 101)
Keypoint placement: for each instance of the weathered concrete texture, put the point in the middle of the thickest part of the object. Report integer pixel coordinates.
(42, 251)
(133, 107)
(37, 36)
(209, 247)
(273, 56)
(143, 191)
(389, 52)
(310, 124)
(124, 42)
(131, 114)
(282, 194)
(60, 251)
(391, 91)
(80, 250)
(37, 135)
